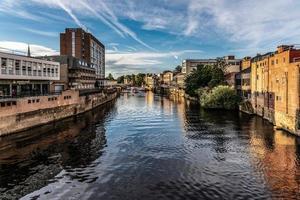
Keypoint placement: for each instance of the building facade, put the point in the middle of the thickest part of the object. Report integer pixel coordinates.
(275, 87)
(190, 65)
(75, 74)
(25, 76)
(232, 72)
(167, 77)
(84, 46)
(246, 77)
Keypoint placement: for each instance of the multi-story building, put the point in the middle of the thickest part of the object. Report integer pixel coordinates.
(84, 46)
(232, 72)
(23, 75)
(190, 65)
(245, 77)
(275, 87)
(179, 80)
(75, 73)
(167, 77)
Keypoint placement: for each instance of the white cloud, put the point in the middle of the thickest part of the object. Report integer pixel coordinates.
(39, 32)
(21, 48)
(133, 62)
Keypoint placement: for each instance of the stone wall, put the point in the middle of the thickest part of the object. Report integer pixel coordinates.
(22, 114)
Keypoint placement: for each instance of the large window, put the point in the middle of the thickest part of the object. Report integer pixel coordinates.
(34, 67)
(10, 66)
(18, 67)
(73, 44)
(24, 68)
(29, 68)
(3, 66)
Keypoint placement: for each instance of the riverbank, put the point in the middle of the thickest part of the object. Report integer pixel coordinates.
(21, 114)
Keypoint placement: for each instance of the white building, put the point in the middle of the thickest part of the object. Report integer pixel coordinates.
(22, 75)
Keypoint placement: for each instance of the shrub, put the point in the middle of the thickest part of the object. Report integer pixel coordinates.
(220, 97)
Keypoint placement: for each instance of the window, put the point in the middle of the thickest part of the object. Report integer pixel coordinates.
(73, 44)
(272, 62)
(284, 59)
(44, 70)
(17, 66)
(39, 69)
(4, 66)
(24, 68)
(10, 66)
(34, 66)
(276, 61)
(29, 69)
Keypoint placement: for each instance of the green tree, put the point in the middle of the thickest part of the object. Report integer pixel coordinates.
(120, 79)
(140, 79)
(177, 69)
(205, 76)
(221, 64)
(110, 77)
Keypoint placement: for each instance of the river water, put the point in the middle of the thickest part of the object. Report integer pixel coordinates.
(151, 148)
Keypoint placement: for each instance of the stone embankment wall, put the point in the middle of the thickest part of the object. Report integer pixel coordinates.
(282, 120)
(21, 114)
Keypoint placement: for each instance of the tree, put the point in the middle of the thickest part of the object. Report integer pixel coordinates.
(140, 79)
(178, 69)
(221, 64)
(120, 79)
(110, 77)
(205, 76)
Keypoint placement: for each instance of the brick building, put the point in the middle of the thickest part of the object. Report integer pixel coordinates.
(245, 77)
(84, 46)
(275, 87)
(75, 73)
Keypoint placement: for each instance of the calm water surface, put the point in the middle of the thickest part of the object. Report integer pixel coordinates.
(151, 148)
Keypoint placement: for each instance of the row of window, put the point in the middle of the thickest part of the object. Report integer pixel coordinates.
(33, 101)
(272, 62)
(26, 68)
(9, 103)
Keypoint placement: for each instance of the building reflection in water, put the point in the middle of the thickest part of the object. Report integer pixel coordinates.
(276, 155)
(31, 159)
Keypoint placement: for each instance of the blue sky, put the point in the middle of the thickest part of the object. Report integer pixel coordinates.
(152, 36)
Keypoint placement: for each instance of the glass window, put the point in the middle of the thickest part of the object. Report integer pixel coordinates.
(17, 66)
(24, 68)
(10, 65)
(3, 65)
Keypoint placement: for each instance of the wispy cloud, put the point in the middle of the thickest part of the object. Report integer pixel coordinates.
(98, 9)
(125, 62)
(21, 47)
(39, 32)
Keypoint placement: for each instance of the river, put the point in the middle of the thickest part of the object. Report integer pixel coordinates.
(151, 148)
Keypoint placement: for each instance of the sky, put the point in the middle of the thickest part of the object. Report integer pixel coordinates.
(150, 36)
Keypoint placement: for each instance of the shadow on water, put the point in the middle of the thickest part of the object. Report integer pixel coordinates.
(31, 159)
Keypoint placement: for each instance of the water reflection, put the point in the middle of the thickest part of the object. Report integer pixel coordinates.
(32, 159)
(151, 147)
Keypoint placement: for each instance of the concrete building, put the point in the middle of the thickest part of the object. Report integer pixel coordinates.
(84, 46)
(275, 88)
(179, 80)
(75, 73)
(232, 73)
(150, 81)
(24, 76)
(190, 65)
(245, 77)
(167, 77)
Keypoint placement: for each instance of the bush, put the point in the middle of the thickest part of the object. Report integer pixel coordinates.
(220, 97)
